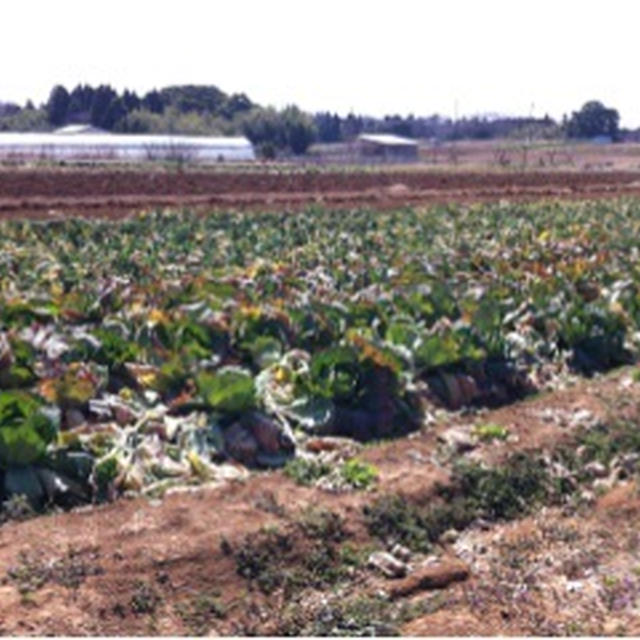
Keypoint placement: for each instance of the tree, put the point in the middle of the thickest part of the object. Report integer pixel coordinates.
(57, 105)
(153, 102)
(115, 112)
(328, 127)
(80, 103)
(593, 119)
(102, 99)
(264, 127)
(130, 100)
(299, 129)
(193, 97)
(234, 104)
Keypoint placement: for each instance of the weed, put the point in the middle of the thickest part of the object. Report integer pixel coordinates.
(258, 558)
(496, 493)
(198, 613)
(394, 518)
(268, 502)
(353, 556)
(490, 431)
(306, 471)
(361, 616)
(322, 524)
(70, 571)
(145, 598)
(305, 554)
(605, 441)
(225, 546)
(358, 474)
(29, 575)
(619, 593)
(358, 616)
(506, 491)
(321, 567)
(18, 508)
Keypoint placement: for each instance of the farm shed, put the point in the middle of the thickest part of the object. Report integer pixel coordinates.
(385, 146)
(108, 147)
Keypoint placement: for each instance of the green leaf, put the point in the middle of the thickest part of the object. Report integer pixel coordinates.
(335, 373)
(229, 389)
(265, 350)
(15, 406)
(20, 446)
(437, 351)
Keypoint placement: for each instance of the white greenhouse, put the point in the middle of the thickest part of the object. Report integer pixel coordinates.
(109, 147)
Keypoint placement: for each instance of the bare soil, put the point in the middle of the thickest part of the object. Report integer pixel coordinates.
(112, 193)
(134, 567)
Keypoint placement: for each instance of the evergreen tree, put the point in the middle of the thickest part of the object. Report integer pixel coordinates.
(57, 106)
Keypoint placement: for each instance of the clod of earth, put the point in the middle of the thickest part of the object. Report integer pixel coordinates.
(435, 576)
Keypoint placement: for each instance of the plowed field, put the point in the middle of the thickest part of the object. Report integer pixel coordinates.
(115, 192)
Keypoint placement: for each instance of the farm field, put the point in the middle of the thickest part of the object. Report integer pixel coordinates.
(45, 192)
(370, 417)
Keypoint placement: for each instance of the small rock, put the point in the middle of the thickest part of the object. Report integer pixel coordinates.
(596, 469)
(482, 524)
(574, 585)
(449, 536)
(602, 485)
(459, 439)
(629, 461)
(581, 416)
(435, 576)
(587, 497)
(581, 451)
(387, 564)
(151, 396)
(401, 552)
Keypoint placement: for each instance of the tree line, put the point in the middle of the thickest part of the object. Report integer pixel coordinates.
(593, 119)
(207, 110)
(184, 109)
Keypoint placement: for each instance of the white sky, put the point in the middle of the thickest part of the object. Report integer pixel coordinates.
(398, 56)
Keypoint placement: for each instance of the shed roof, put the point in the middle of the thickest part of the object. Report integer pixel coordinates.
(74, 129)
(387, 139)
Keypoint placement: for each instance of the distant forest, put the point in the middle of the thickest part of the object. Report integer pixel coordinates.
(207, 110)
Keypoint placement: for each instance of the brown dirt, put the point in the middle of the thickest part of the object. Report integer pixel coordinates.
(173, 546)
(98, 192)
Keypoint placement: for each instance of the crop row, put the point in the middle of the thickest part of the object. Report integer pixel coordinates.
(144, 353)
